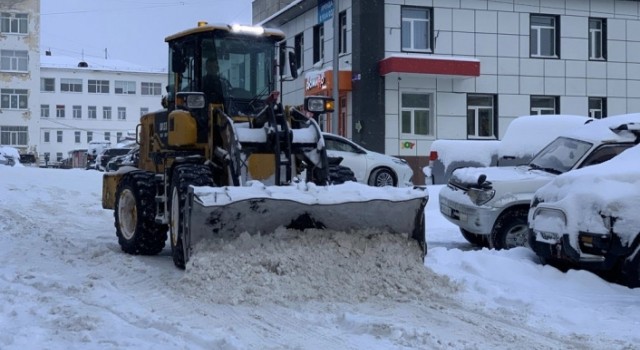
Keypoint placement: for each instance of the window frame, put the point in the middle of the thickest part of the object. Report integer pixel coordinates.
(539, 110)
(539, 28)
(47, 84)
(122, 113)
(92, 112)
(431, 119)
(125, 87)
(18, 19)
(12, 135)
(593, 111)
(70, 85)
(13, 99)
(429, 42)
(46, 137)
(106, 113)
(592, 39)
(45, 111)
(60, 111)
(148, 88)
(476, 122)
(59, 136)
(318, 43)
(77, 136)
(98, 86)
(77, 111)
(14, 61)
(342, 37)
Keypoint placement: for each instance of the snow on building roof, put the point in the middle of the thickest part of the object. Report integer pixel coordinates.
(94, 64)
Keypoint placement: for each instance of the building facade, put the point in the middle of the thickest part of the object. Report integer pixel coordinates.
(19, 74)
(92, 100)
(411, 72)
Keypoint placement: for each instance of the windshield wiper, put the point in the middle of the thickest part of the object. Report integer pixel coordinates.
(549, 170)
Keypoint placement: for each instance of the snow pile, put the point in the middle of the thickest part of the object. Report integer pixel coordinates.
(314, 265)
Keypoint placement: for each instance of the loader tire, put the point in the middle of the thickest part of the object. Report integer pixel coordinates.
(183, 176)
(135, 212)
(339, 174)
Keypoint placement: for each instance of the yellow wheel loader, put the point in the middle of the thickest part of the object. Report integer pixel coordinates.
(224, 157)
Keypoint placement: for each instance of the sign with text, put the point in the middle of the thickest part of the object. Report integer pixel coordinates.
(325, 10)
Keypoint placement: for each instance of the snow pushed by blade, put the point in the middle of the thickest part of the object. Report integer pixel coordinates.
(314, 265)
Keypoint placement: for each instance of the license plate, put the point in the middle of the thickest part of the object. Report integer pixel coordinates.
(445, 210)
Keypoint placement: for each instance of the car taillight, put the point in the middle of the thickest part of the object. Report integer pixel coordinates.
(433, 155)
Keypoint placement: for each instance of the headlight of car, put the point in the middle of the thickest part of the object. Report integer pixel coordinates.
(480, 196)
(549, 222)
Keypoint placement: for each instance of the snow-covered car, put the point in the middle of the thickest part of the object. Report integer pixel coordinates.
(491, 204)
(9, 156)
(372, 168)
(106, 155)
(589, 218)
(131, 158)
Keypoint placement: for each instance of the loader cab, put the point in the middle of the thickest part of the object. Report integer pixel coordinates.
(234, 66)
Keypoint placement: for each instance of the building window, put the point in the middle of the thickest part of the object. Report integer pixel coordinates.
(544, 39)
(107, 136)
(154, 89)
(597, 107)
(44, 111)
(77, 136)
(417, 118)
(342, 42)
(143, 111)
(58, 156)
(318, 43)
(298, 48)
(14, 99)
(14, 135)
(71, 85)
(106, 113)
(60, 111)
(125, 87)
(545, 105)
(122, 113)
(118, 136)
(47, 85)
(417, 29)
(47, 136)
(59, 136)
(98, 86)
(92, 112)
(14, 60)
(15, 23)
(89, 136)
(77, 112)
(597, 39)
(481, 116)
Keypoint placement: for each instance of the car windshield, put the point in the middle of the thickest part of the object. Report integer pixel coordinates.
(117, 151)
(561, 155)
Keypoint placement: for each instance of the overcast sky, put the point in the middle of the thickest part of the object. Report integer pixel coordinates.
(128, 30)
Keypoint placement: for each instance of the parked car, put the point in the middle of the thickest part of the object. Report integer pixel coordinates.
(9, 156)
(588, 218)
(525, 136)
(106, 155)
(490, 204)
(372, 168)
(131, 158)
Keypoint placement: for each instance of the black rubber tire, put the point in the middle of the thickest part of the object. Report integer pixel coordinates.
(382, 177)
(135, 211)
(183, 176)
(510, 230)
(475, 239)
(630, 271)
(339, 174)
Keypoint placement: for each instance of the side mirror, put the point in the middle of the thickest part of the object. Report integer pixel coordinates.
(293, 68)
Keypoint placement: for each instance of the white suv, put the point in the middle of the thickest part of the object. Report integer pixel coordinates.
(490, 205)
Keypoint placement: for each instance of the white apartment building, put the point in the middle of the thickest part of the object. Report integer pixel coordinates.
(92, 100)
(19, 74)
(413, 71)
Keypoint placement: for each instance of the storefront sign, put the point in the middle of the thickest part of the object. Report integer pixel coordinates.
(316, 82)
(408, 145)
(325, 10)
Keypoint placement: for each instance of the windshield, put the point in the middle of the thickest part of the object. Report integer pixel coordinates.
(561, 155)
(244, 64)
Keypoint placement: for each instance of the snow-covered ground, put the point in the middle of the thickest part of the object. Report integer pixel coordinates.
(65, 284)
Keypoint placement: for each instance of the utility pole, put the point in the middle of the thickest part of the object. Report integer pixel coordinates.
(336, 65)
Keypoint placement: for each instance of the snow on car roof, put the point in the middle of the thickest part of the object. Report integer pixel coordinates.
(599, 129)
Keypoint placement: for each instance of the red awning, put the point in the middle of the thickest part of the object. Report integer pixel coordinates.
(440, 65)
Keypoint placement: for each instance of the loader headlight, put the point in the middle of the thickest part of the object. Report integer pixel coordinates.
(237, 28)
(319, 104)
(191, 100)
(480, 196)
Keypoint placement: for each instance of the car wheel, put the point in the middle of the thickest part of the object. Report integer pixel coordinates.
(382, 177)
(475, 239)
(511, 230)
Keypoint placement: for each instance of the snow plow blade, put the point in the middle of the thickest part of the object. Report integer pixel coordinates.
(229, 211)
